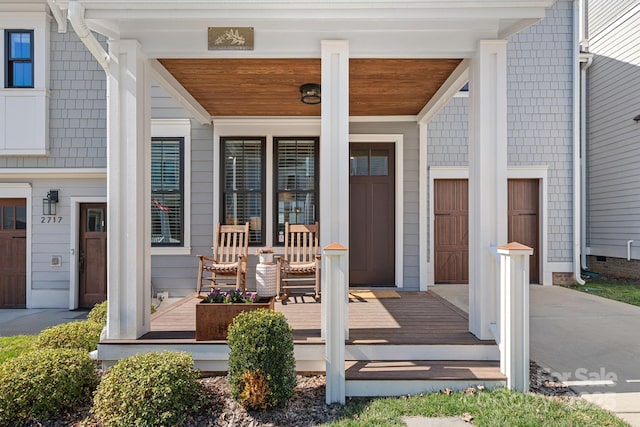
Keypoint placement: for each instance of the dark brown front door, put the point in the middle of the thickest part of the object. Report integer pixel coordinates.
(524, 202)
(372, 214)
(13, 253)
(451, 230)
(93, 254)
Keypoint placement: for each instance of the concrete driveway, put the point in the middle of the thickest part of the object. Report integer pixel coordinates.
(591, 343)
(32, 321)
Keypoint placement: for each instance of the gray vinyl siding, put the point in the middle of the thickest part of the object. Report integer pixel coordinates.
(50, 239)
(539, 119)
(613, 137)
(411, 242)
(77, 108)
(602, 13)
(178, 273)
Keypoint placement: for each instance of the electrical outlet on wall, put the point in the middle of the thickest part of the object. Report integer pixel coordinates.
(161, 296)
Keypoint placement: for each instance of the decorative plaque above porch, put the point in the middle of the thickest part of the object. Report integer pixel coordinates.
(230, 38)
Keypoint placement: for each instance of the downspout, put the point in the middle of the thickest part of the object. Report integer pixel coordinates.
(585, 62)
(76, 17)
(577, 157)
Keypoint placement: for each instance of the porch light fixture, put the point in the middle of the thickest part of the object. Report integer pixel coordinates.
(49, 204)
(637, 118)
(310, 93)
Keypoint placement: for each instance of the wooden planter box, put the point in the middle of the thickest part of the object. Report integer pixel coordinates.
(213, 320)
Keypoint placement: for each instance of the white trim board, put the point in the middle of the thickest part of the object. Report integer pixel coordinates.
(23, 173)
(178, 128)
(513, 172)
(23, 191)
(74, 239)
(398, 141)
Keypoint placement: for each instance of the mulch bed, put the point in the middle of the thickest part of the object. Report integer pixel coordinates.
(307, 407)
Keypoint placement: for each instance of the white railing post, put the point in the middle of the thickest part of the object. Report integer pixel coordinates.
(335, 299)
(514, 314)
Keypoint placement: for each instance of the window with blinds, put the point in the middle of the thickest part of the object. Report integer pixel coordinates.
(167, 187)
(296, 182)
(243, 183)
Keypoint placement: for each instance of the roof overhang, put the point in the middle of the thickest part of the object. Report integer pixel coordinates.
(432, 36)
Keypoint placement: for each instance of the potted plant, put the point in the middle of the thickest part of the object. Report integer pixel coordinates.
(217, 310)
(265, 255)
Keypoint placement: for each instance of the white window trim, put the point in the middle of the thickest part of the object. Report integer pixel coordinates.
(23, 191)
(263, 128)
(513, 172)
(177, 128)
(74, 253)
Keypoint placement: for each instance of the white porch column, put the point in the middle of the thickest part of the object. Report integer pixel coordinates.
(487, 180)
(335, 258)
(514, 314)
(334, 150)
(128, 191)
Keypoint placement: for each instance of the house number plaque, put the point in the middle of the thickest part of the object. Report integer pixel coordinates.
(230, 38)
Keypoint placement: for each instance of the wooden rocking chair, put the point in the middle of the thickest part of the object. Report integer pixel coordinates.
(300, 265)
(229, 262)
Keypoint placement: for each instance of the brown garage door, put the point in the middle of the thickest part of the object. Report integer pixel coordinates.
(451, 226)
(451, 209)
(524, 202)
(13, 253)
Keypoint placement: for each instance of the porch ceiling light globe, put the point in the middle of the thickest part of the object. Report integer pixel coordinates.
(310, 93)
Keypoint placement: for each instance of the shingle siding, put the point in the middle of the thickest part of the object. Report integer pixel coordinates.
(539, 116)
(613, 144)
(77, 108)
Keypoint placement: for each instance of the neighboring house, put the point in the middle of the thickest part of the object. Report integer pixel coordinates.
(613, 139)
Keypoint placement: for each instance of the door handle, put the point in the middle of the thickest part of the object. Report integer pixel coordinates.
(18, 237)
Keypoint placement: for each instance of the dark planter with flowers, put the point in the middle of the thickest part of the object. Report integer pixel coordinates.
(215, 313)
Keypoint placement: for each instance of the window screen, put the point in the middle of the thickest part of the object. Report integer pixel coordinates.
(19, 58)
(167, 191)
(296, 192)
(243, 181)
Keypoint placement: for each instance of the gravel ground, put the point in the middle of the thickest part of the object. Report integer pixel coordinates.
(306, 407)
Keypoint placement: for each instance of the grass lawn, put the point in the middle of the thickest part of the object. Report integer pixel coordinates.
(619, 290)
(488, 408)
(13, 346)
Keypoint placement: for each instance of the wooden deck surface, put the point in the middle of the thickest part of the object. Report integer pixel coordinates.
(415, 318)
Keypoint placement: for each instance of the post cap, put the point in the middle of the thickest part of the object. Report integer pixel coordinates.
(335, 246)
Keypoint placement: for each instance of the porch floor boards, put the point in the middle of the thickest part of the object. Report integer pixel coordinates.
(416, 318)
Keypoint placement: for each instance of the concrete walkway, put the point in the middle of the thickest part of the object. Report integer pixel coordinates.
(32, 321)
(592, 344)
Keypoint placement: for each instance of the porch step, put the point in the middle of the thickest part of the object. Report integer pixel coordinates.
(395, 378)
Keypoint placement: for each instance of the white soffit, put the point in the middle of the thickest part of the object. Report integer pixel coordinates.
(412, 29)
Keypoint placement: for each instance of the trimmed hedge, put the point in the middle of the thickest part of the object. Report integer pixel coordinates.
(98, 313)
(43, 383)
(262, 367)
(81, 335)
(150, 389)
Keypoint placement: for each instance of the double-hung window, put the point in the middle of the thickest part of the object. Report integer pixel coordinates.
(296, 183)
(19, 58)
(243, 184)
(167, 192)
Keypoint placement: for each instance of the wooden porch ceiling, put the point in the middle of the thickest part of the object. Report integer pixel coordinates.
(270, 87)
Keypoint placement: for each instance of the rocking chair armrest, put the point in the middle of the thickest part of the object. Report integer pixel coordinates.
(281, 260)
(206, 258)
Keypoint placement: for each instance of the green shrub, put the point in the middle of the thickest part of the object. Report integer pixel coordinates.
(98, 314)
(82, 335)
(43, 383)
(262, 367)
(150, 389)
